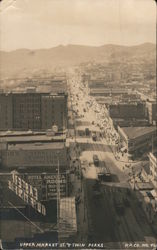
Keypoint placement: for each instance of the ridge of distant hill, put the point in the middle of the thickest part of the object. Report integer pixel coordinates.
(26, 59)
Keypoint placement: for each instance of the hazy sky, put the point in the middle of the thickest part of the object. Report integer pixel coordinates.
(37, 24)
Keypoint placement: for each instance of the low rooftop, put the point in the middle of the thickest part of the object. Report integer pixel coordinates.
(36, 146)
(24, 136)
(133, 132)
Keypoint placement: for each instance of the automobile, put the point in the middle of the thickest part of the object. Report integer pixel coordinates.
(94, 137)
(95, 160)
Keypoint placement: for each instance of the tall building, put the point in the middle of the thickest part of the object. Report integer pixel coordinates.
(26, 111)
(152, 111)
(31, 110)
(6, 111)
(54, 111)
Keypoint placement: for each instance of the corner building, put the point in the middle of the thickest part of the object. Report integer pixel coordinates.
(33, 111)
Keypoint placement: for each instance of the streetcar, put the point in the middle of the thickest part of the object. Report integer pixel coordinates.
(104, 174)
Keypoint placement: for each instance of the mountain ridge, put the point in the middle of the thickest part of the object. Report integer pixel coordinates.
(82, 45)
(23, 61)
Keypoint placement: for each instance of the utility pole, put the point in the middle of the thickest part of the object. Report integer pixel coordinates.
(58, 195)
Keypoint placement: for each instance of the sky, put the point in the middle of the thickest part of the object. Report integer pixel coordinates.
(35, 24)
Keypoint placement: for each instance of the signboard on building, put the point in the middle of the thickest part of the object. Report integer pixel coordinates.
(47, 184)
(26, 192)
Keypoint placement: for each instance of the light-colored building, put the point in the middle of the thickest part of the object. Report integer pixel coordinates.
(153, 168)
(138, 140)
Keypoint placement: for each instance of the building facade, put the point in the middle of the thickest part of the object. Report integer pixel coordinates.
(138, 140)
(32, 110)
(32, 155)
(27, 111)
(54, 111)
(6, 112)
(152, 112)
(127, 110)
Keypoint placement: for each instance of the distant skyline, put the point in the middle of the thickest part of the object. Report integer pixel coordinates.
(38, 24)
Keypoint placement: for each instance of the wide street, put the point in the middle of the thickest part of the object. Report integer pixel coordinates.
(98, 218)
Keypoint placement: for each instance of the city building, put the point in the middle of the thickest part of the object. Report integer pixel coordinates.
(34, 155)
(127, 114)
(151, 111)
(31, 110)
(6, 111)
(55, 85)
(97, 83)
(26, 110)
(127, 110)
(138, 140)
(54, 111)
(130, 122)
(108, 91)
(33, 150)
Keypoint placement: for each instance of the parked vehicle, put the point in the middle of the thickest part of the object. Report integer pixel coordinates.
(94, 137)
(96, 160)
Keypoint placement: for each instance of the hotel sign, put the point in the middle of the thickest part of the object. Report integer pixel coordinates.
(26, 192)
(48, 182)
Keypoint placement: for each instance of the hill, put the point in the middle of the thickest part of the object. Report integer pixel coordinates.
(25, 60)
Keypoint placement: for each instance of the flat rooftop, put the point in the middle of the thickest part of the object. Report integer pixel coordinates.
(108, 90)
(36, 146)
(133, 132)
(26, 137)
(144, 186)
